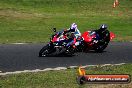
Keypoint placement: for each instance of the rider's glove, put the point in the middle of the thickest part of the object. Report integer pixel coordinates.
(95, 41)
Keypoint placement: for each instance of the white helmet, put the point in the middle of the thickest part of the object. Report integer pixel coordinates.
(73, 27)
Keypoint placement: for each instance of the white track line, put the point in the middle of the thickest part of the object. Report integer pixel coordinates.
(72, 66)
(18, 43)
(53, 69)
(120, 64)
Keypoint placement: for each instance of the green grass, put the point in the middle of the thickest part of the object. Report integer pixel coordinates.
(62, 78)
(32, 20)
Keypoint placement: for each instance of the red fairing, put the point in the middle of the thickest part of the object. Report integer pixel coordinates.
(74, 40)
(65, 37)
(55, 38)
(112, 35)
(87, 37)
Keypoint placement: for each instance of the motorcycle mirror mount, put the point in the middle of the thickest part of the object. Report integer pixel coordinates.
(54, 29)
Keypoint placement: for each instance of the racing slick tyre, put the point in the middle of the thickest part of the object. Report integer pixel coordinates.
(101, 48)
(44, 51)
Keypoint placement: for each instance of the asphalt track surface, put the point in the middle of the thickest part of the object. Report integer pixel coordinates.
(25, 57)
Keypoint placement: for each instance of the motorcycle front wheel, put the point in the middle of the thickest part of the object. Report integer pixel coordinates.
(46, 50)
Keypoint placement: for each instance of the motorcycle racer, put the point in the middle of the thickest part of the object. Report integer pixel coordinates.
(75, 34)
(73, 29)
(102, 28)
(100, 33)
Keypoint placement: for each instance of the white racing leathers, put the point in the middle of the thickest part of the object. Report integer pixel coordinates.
(77, 34)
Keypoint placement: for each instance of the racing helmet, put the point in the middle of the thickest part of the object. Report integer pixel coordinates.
(103, 27)
(73, 27)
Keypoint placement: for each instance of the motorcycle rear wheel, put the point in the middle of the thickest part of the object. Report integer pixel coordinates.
(101, 48)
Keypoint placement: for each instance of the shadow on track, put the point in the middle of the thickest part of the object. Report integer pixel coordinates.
(64, 55)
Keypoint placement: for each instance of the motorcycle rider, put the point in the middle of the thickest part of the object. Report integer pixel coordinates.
(75, 34)
(100, 33)
(102, 29)
(73, 29)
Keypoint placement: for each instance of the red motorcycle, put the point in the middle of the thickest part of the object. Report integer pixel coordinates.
(93, 40)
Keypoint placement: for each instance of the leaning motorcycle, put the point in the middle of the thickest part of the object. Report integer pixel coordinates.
(58, 45)
(93, 40)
